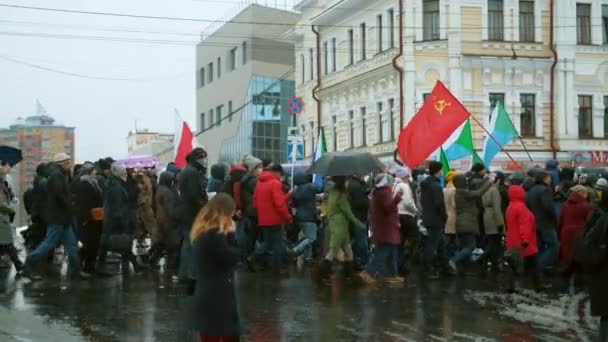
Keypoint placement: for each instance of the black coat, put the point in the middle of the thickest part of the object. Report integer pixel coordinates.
(540, 201)
(598, 275)
(87, 196)
(434, 214)
(58, 209)
(193, 194)
(117, 218)
(358, 199)
(214, 309)
(248, 184)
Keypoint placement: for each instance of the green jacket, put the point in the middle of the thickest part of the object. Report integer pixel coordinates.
(340, 216)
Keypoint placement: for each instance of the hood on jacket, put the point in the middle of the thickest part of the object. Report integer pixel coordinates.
(460, 181)
(166, 179)
(301, 179)
(517, 194)
(267, 176)
(218, 171)
(576, 197)
(551, 165)
(252, 162)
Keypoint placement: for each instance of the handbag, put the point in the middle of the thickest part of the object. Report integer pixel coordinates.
(120, 243)
(97, 214)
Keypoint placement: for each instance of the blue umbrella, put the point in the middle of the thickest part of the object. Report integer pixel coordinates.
(10, 155)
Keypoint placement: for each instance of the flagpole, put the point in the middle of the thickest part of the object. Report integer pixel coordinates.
(493, 139)
(521, 140)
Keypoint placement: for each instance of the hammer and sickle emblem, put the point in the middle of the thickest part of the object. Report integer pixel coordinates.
(440, 105)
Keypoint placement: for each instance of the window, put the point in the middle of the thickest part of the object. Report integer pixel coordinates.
(244, 52)
(526, 21)
(363, 42)
(218, 114)
(211, 118)
(495, 20)
(333, 55)
(311, 61)
(496, 97)
(202, 75)
(379, 29)
(232, 59)
(302, 69)
(351, 47)
(363, 126)
(605, 116)
(229, 111)
(583, 24)
(391, 28)
(334, 133)
(425, 96)
(203, 121)
(391, 119)
(351, 120)
(527, 116)
(210, 72)
(585, 116)
(219, 68)
(605, 24)
(430, 19)
(380, 123)
(325, 58)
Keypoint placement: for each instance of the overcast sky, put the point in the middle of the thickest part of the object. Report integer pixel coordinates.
(103, 111)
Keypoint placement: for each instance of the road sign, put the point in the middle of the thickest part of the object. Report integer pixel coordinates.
(295, 152)
(295, 105)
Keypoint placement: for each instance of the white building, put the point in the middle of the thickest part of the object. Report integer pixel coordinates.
(482, 50)
(244, 78)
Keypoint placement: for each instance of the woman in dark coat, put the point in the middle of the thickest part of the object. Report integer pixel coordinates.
(88, 196)
(598, 275)
(214, 313)
(165, 237)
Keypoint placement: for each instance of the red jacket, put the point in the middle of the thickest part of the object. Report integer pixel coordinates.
(270, 201)
(384, 214)
(571, 222)
(521, 226)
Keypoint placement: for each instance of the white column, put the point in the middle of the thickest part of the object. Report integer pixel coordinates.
(571, 102)
(409, 63)
(598, 115)
(559, 104)
(596, 23)
(444, 12)
(484, 20)
(513, 13)
(417, 22)
(454, 48)
(538, 20)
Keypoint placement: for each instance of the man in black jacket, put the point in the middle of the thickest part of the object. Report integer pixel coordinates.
(358, 199)
(250, 216)
(540, 201)
(59, 216)
(434, 217)
(192, 198)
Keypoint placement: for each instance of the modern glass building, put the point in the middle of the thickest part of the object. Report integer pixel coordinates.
(263, 122)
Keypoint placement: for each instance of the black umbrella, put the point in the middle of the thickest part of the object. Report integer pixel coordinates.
(10, 155)
(346, 164)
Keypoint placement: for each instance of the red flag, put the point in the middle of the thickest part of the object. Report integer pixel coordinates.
(440, 115)
(182, 141)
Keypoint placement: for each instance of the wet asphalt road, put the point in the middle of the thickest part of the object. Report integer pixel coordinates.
(150, 307)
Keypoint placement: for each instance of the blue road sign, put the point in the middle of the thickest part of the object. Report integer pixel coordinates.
(298, 147)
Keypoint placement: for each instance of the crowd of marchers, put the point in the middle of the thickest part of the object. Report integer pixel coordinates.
(546, 226)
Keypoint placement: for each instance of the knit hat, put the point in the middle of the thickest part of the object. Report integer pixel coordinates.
(450, 176)
(478, 167)
(601, 184)
(402, 172)
(119, 170)
(87, 168)
(61, 157)
(252, 162)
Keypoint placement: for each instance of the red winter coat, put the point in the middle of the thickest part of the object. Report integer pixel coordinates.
(384, 217)
(572, 220)
(270, 201)
(521, 226)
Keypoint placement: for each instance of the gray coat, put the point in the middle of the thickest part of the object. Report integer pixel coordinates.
(467, 212)
(6, 211)
(493, 218)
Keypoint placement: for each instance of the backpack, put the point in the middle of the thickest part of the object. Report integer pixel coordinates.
(590, 246)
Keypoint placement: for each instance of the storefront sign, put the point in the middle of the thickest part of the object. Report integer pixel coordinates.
(590, 157)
